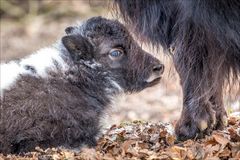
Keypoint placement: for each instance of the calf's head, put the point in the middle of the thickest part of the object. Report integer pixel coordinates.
(108, 44)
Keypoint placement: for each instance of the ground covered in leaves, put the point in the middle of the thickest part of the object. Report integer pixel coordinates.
(150, 141)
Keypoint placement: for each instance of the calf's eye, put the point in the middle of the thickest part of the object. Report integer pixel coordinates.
(115, 53)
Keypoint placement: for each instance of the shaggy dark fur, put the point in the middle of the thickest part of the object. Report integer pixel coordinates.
(65, 108)
(204, 37)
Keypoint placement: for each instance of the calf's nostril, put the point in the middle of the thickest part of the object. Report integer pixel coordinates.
(158, 68)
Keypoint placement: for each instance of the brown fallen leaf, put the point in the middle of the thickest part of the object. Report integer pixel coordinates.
(232, 120)
(234, 134)
(126, 145)
(170, 140)
(86, 154)
(220, 139)
(225, 153)
(212, 158)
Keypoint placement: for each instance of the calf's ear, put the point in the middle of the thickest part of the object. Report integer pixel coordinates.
(78, 47)
(69, 30)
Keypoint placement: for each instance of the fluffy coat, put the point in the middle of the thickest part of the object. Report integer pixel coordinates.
(57, 96)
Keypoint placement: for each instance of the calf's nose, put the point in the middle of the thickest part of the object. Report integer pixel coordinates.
(158, 69)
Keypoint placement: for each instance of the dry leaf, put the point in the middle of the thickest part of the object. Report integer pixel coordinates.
(220, 139)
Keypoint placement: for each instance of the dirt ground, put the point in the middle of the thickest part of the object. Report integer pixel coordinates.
(23, 35)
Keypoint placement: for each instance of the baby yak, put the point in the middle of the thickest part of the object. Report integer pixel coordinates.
(57, 96)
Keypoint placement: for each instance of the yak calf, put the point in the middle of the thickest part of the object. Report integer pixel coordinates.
(57, 96)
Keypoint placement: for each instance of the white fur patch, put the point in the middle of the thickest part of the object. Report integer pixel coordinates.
(9, 73)
(42, 61)
(92, 64)
(115, 93)
(116, 85)
(152, 78)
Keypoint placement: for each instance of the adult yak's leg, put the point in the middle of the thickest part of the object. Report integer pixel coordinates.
(200, 64)
(205, 36)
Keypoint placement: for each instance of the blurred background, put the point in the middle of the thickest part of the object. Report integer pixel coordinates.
(28, 25)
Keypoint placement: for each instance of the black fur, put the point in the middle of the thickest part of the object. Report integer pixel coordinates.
(65, 108)
(204, 36)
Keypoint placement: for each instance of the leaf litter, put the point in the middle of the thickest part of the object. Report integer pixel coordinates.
(148, 141)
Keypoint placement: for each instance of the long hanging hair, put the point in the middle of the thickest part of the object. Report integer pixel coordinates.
(205, 36)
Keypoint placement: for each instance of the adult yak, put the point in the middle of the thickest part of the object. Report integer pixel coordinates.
(204, 39)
